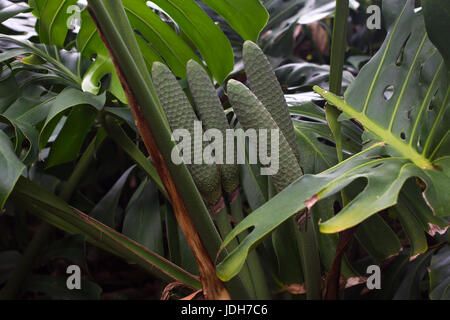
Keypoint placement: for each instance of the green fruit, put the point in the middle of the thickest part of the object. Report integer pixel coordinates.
(252, 115)
(180, 115)
(264, 84)
(211, 113)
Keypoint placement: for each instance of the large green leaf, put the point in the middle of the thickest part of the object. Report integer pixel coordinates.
(408, 139)
(247, 17)
(159, 42)
(170, 46)
(26, 102)
(53, 16)
(202, 31)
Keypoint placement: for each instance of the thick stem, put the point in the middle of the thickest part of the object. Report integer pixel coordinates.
(101, 12)
(338, 48)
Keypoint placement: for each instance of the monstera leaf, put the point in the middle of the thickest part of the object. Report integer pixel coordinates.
(401, 98)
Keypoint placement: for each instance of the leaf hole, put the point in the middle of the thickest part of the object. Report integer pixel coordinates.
(408, 115)
(403, 136)
(337, 206)
(400, 56)
(326, 142)
(377, 165)
(388, 92)
(433, 102)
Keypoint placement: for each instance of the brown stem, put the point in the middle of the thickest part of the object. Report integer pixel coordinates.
(213, 288)
(331, 290)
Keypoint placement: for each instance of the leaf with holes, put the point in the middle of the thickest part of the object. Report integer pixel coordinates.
(409, 138)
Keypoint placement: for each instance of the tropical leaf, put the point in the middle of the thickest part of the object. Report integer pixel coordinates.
(246, 17)
(158, 41)
(53, 19)
(85, 107)
(408, 139)
(27, 102)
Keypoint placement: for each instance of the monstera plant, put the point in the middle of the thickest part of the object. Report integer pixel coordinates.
(88, 115)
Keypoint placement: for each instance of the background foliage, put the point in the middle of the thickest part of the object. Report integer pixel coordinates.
(71, 154)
